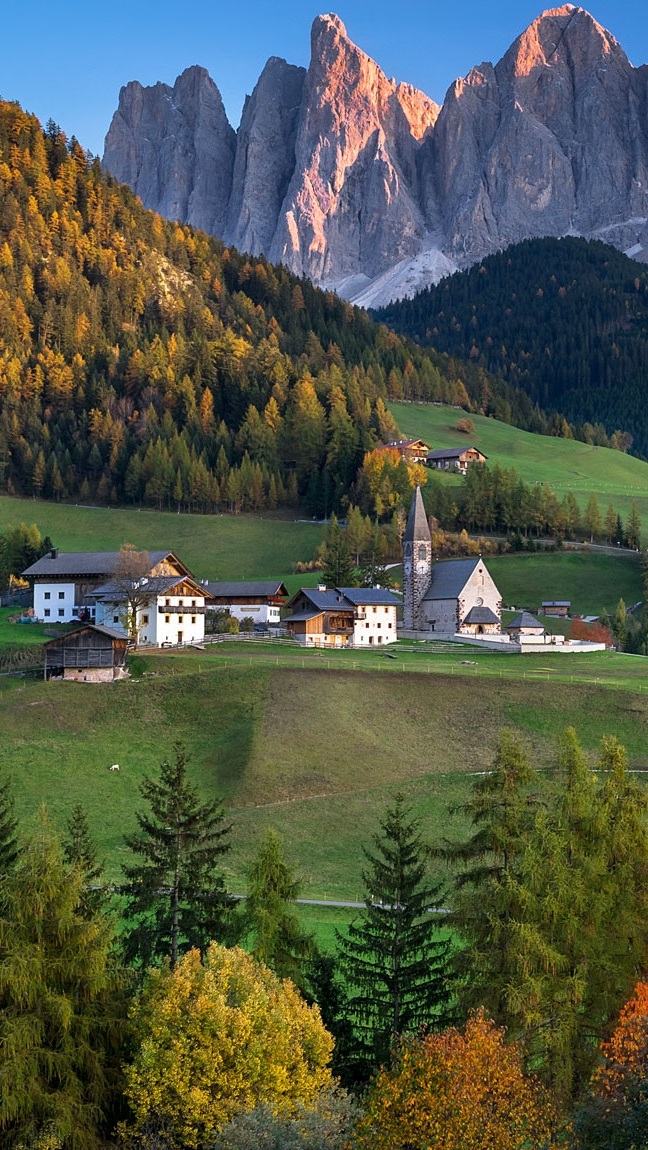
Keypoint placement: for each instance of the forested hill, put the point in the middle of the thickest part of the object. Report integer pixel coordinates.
(141, 361)
(567, 320)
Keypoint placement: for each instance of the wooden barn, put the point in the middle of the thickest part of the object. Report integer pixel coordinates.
(88, 654)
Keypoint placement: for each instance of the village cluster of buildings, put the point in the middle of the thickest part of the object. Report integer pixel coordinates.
(162, 604)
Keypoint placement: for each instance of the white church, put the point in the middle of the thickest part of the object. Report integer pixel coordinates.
(447, 597)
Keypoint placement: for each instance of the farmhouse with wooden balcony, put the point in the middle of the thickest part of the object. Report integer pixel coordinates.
(343, 617)
(454, 458)
(413, 450)
(162, 604)
(260, 601)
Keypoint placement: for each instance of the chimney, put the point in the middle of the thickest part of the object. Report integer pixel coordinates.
(54, 553)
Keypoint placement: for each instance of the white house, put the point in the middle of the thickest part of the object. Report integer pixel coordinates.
(86, 586)
(343, 617)
(259, 601)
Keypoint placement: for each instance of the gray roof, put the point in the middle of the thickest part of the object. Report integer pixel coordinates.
(452, 452)
(370, 596)
(88, 627)
(556, 603)
(82, 563)
(481, 615)
(302, 616)
(116, 592)
(449, 578)
(329, 600)
(418, 529)
(266, 590)
(524, 619)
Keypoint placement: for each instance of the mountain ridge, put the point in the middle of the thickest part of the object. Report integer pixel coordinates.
(369, 187)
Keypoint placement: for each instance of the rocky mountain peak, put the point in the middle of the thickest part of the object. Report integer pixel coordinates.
(364, 184)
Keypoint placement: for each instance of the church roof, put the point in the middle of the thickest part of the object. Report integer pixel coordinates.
(450, 577)
(417, 529)
(524, 619)
(481, 615)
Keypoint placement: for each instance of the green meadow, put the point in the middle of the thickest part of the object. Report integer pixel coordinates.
(562, 463)
(307, 743)
(213, 546)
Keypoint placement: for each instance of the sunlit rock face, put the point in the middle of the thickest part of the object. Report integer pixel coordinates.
(366, 185)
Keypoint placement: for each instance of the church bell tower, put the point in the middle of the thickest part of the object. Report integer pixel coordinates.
(417, 565)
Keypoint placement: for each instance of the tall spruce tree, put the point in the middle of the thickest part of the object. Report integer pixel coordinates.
(80, 850)
(62, 1010)
(393, 957)
(176, 897)
(276, 935)
(337, 565)
(501, 810)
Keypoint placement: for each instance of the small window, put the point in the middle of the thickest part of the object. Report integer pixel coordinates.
(46, 612)
(115, 618)
(193, 618)
(145, 618)
(180, 602)
(61, 594)
(374, 610)
(180, 618)
(47, 595)
(422, 551)
(193, 602)
(167, 618)
(61, 613)
(167, 602)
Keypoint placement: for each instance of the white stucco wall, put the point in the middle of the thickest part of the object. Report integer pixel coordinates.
(54, 602)
(157, 627)
(265, 613)
(374, 626)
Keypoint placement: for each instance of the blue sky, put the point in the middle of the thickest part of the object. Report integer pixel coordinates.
(69, 60)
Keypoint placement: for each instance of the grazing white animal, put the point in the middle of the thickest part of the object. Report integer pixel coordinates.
(115, 767)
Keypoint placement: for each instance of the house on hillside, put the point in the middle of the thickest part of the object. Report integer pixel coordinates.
(88, 654)
(454, 458)
(259, 601)
(413, 450)
(167, 603)
(454, 596)
(343, 617)
(556, 608)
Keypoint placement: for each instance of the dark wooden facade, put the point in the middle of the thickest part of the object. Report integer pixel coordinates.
(89, 652)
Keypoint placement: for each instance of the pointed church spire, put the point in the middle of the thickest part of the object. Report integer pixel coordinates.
(417, 529)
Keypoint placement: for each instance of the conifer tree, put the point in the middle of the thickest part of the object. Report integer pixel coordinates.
(392, 957)
(80, 850)
(8, 828)
(176, 898)
(278, 939)
(62, 1012)
(337, 565)
(501, 809)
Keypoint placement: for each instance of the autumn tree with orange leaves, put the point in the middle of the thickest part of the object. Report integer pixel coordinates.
(615, 1113)
(459, 1090)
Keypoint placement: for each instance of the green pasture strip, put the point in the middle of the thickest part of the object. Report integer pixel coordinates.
(215, 547)
(563, 463)
(592, 582)
(316, 755)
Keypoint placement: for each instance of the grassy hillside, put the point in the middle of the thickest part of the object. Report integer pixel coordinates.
(213, 546)
(311, 748)
(566, 464)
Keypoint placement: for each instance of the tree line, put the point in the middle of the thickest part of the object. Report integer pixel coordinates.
(178, 1017)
